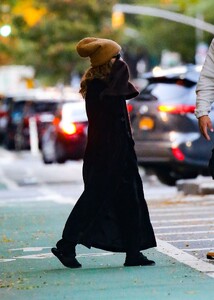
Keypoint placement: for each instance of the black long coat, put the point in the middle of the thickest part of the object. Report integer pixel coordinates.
(111, 213)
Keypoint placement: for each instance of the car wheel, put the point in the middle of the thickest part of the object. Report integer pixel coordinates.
(18, 141)
(167, 178)
(60, 153)
(47, 160)
(170, 177)
(9, 143)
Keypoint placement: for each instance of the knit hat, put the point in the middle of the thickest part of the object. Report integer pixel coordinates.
(100, 51)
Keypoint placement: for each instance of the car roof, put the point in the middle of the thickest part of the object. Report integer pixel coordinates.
(188, 72)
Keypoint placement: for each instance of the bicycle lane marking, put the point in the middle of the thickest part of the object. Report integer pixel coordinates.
(47, 255)
(162, 247)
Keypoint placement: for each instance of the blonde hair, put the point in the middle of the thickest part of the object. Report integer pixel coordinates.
(101, 72)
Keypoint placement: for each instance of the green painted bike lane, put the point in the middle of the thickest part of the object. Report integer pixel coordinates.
(29, 271)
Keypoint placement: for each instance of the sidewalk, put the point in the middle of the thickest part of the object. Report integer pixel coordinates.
(29, 271)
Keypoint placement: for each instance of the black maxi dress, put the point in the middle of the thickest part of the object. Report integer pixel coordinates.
(111, 213)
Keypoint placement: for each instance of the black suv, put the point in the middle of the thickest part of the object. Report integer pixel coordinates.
(165, 129)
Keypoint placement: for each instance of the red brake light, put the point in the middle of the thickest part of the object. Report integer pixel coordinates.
(71, 128)
(129, 107)
(3, 114)
(178, 154)
(177, 109)
(68, 128)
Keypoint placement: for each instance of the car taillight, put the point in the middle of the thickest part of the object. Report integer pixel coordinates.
(68, 128)
(129, 107)
(56, 121)
(178, 154)
(71, 128)
(26, 121)
(3, 114)
(177, 109)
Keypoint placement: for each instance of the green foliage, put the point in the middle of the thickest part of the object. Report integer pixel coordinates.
(50, 44)
(156, 34)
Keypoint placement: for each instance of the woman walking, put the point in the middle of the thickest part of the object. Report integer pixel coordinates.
(111, 213)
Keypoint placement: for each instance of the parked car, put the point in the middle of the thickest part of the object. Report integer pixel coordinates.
(4, 104)
(165, 129)
(18, 110)
(65, 137)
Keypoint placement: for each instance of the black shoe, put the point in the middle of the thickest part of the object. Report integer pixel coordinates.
(138, 260)
(68, 261)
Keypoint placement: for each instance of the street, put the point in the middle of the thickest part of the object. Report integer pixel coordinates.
(35, 200)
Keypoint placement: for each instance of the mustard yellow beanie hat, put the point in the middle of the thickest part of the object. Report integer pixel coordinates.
(100, 51)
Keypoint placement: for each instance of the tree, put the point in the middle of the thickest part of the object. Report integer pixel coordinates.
(45, 32)
(50, 44)
(156, 34)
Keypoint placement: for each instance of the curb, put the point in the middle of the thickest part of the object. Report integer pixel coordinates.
(199, 186)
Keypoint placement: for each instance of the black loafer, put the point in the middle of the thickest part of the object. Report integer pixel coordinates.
(139, 260)
(67, 261)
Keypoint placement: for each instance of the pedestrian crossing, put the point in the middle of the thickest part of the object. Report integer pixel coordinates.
(186, 225)
(184, 229)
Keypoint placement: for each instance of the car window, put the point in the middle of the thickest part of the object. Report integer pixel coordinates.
(18, 106)
(45, 107)
(168, 92)
(17, 112)
(74, 112)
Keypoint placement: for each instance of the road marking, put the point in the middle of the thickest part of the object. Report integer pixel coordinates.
(30, 249)
(196, 249)
(188, 240)
(34, 256)
(187, 213)
(185, 258)
(7, 260)
(50, 197)
(162, 246)
(49, 254)
(182, 226)
(183, 220)
(181, 209)
(184, 232)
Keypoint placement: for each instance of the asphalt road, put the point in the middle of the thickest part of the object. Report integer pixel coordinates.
(35, 201)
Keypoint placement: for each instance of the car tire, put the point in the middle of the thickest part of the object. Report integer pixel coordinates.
(46, 160)
(167, 178)
(60, 153)
(9, 143)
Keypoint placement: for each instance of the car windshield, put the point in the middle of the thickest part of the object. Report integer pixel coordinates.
(74, 112)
